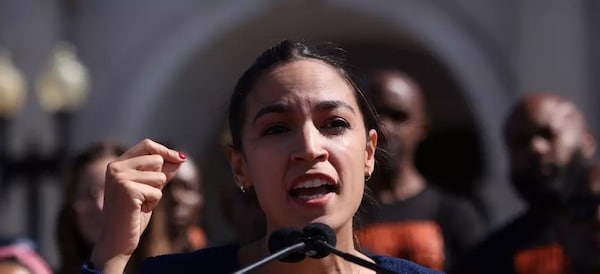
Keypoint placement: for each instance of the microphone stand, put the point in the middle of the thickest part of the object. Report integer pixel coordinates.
(351, 258)
(277, 255)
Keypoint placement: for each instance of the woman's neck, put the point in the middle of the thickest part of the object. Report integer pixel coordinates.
(330, 264)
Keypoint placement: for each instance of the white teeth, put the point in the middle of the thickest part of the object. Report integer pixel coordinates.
(312, 183)
(310, 197)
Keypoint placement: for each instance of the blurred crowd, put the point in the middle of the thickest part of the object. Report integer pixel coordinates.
(551, 167)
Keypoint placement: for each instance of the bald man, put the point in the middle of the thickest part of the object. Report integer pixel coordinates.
(415, 221)
(547, 141)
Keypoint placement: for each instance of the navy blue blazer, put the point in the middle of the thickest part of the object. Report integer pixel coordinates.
(224, 259)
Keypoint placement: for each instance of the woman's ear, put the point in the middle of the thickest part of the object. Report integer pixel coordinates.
(370, 149)
(238, 167)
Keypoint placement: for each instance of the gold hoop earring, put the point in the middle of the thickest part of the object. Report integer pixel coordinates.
(367, 177)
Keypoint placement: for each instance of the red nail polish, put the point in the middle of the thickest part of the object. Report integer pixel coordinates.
(182, 155)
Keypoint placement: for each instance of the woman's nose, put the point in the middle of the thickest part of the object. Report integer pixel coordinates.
(309, 145)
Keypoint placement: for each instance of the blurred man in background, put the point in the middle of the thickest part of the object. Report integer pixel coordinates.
(547, 140)
(416, 221)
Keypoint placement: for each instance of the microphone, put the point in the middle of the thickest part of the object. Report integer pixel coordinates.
(310, 235)
(285, 237)
(322, 239)
(316, 233)
(288, 246)
(316, 240)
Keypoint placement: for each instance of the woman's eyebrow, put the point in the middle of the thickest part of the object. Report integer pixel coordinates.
(282, 107)
(333, 104)
(273, 108)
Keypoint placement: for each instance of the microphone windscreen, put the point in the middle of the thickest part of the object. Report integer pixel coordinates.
(320, 232)
(283, 238)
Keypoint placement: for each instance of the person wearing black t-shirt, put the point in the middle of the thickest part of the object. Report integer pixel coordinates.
(580, 229)
(414, 220)
(547, 141)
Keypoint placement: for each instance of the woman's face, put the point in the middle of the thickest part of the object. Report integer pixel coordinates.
(305, 147)
(89, 198)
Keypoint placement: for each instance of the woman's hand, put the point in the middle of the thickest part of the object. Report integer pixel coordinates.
(134, 184)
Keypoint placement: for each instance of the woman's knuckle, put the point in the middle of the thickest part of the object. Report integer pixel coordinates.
(158, 159)
(162, 178)
(114, 167)
(147, 142)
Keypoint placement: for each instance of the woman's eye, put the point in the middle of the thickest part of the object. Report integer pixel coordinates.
(337, 125)
(275, 129)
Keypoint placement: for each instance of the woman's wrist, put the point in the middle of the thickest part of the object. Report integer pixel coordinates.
(111, 264)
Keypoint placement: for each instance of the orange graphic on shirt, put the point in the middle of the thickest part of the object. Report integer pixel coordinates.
(549, 259)
(417, 241)
(196, 237)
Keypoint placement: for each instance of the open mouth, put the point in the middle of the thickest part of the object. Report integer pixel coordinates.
(313, 189)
